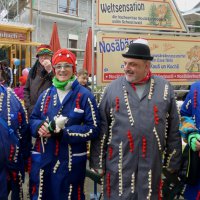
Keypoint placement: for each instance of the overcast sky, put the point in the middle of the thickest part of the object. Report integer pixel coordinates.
(185, 5)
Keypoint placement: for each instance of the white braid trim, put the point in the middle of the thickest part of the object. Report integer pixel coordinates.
(80, 134)
(93, 113)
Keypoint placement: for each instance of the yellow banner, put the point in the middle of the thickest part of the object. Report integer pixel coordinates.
(176, 58)
(141, 14)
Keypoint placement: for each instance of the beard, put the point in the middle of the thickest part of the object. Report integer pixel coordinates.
(130, 77)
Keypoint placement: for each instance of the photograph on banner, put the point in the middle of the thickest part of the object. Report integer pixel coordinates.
(141, 14)
(176, 58)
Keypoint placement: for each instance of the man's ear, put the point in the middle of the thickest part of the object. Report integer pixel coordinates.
(148, 64)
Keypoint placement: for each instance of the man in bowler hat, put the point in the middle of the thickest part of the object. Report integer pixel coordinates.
(139, 124)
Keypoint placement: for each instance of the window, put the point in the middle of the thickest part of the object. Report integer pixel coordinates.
(73, 44)
(73, 41)
(68, 7)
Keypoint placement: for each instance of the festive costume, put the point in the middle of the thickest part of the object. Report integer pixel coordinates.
(134, 133)
(59, 162)
(15, 144)
(190, 124)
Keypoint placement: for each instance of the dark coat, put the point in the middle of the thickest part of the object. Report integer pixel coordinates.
(35, 85)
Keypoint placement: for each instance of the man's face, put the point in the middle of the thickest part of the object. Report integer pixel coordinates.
(64, 71)
(135, 69)
(83, 79)
(44, 57)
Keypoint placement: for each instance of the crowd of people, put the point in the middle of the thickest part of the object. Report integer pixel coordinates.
(134, 133)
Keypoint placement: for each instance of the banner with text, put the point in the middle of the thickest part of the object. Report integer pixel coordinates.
(176, 58)
(141, 14)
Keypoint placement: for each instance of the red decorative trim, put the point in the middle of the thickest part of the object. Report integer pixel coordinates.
(156, 118)
(12, 151)
(33, 190)
(110, 152)
(14, 175)
(46, 105)
(37, 145)
(117, 103)
(108, 189)
(160, 190)
(195, 98)
(78, 98)
(144, 146)
(57, 148)
(198, 195)
(79, 192)
(19, 117)
(130, 138)
(29, 165)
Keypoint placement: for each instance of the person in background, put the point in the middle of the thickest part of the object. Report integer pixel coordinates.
(4, 78)
(39, 77)
(82, 77)
(5, 66)
(19, 91)
(190, 130)
(64, 118)
(15, 143)
(139, 123)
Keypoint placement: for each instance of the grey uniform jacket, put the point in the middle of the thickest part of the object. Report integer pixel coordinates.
(138, 137)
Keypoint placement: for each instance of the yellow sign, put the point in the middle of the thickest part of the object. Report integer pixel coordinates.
(141, 14)
(176, 58)
(13, 35)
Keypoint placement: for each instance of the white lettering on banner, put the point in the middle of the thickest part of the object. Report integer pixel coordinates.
(12, 35)
(8, 35)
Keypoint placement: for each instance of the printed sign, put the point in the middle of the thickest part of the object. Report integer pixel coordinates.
(176, 58)
(12, 35)
(141, 14)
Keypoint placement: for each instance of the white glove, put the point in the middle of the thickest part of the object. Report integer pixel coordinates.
(60, 122)
(57, 124)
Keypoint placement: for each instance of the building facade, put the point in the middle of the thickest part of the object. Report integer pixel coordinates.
(73, 18)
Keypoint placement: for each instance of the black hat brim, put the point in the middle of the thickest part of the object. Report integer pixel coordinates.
(137, 56)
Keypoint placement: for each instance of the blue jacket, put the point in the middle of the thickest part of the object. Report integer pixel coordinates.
(191, 105)
(191, 112)
(62, 162)
(15, 143)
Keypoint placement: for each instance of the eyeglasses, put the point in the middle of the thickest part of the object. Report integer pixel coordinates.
(64, 66)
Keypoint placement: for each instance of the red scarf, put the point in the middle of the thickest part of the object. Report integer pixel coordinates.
(144, 80)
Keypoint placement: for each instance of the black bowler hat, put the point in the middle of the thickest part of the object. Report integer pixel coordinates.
(139, 49)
